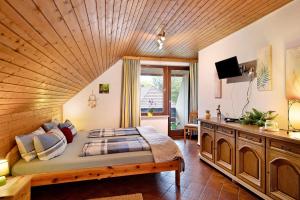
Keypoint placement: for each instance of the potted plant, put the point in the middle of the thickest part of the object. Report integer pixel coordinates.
(257, 117)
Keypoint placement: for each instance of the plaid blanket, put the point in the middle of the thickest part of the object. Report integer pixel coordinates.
(112, 132)
(114, 145)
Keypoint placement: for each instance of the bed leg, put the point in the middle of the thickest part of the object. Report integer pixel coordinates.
(177, 178)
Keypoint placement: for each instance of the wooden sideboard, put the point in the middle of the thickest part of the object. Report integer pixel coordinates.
(267, 163)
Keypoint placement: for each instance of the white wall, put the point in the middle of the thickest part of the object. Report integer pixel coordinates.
(281, 29)
(107, 112)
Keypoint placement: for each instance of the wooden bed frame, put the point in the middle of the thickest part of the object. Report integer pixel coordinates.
(97, 173)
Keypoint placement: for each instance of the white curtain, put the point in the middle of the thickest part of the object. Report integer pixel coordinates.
(194, 87)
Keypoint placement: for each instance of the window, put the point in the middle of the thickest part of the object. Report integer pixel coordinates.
(152, 90)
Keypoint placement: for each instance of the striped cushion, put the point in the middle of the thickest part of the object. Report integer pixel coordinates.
(25, 144)
(49, 145)
(69, 125)
(49, 125)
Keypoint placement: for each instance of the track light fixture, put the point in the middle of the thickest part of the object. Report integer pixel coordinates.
(161, 37)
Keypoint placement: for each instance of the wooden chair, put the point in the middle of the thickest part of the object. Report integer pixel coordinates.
(191, 126)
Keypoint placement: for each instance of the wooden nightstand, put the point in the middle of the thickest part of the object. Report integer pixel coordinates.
(16, 188)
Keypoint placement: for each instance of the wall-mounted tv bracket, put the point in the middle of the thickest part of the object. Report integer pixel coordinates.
(245, 67)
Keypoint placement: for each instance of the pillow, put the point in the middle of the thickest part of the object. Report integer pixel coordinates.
(69, 125)
(49, 125)
(50, 144)
(68, 134)
(26, 146)
(55, 121)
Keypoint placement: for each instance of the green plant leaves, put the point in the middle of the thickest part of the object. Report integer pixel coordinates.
(257, 117)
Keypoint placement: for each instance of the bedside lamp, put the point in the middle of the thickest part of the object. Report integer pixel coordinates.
(4, 170)
(294, 115)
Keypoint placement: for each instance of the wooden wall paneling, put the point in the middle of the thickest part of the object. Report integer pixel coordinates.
(20, 123)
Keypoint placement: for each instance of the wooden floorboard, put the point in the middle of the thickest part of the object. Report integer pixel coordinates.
(199, 181)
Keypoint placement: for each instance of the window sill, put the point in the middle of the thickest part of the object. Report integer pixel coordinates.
(154, 117)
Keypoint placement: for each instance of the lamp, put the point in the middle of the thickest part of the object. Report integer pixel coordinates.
(294, 115)
(92, 100)
(161, 37)
(4, 170)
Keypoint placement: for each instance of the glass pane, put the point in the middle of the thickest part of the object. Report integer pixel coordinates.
(179, 99)
(152, 97)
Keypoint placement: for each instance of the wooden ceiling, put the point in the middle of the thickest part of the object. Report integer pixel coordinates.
(51, 49)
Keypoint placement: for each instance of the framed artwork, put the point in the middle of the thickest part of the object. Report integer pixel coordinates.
(292, 74)
(218, 87)
(104, 88)
(264, 69)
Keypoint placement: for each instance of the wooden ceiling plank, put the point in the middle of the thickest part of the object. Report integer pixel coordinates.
(230, 18)
(165, 19)
(100, 5)
(32, 16)
(8, 38)
(11, 56)
(50, 52)
(132, 17)
(24, 95)
(207, 12)
(120, 28)
(133, 35)
(56, 20)
(109, 11)
(75, 17)
(188, 16)
(244, 20)
(17, 24)
(119, 14)
(92, 15)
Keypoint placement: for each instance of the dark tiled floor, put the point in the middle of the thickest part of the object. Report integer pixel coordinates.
(199, 181)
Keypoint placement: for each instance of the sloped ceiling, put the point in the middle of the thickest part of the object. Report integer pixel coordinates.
(51, 49)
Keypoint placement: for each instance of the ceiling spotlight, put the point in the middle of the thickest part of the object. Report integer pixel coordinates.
(161, 37)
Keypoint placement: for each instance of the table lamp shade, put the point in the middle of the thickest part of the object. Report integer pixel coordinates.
(4, 169)
(294, 115)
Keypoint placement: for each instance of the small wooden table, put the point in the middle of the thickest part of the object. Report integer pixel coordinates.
(16, 188)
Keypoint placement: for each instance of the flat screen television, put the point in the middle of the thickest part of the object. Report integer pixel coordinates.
(228, 68)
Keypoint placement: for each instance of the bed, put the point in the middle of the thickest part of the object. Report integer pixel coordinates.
(70, 167)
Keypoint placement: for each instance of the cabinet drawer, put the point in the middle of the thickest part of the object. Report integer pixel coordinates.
(207, 126)
(225, 130)
(257, 139)
(284, 146)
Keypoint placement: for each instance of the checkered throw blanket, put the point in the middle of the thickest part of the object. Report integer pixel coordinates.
(114, 145)
(112, 132)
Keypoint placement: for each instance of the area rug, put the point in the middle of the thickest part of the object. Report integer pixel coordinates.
(137, 196)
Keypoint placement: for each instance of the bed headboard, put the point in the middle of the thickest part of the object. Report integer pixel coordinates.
(13, 156)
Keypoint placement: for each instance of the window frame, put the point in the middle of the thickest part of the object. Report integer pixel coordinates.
(166, 86)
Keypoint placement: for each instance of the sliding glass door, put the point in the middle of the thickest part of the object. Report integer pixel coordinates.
(165, 91)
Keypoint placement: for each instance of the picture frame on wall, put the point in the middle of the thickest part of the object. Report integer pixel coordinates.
(292, 67)
(264, 69)
(104, 88)
(218, 86)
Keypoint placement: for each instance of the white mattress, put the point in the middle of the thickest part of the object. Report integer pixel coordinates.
(71, 160)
